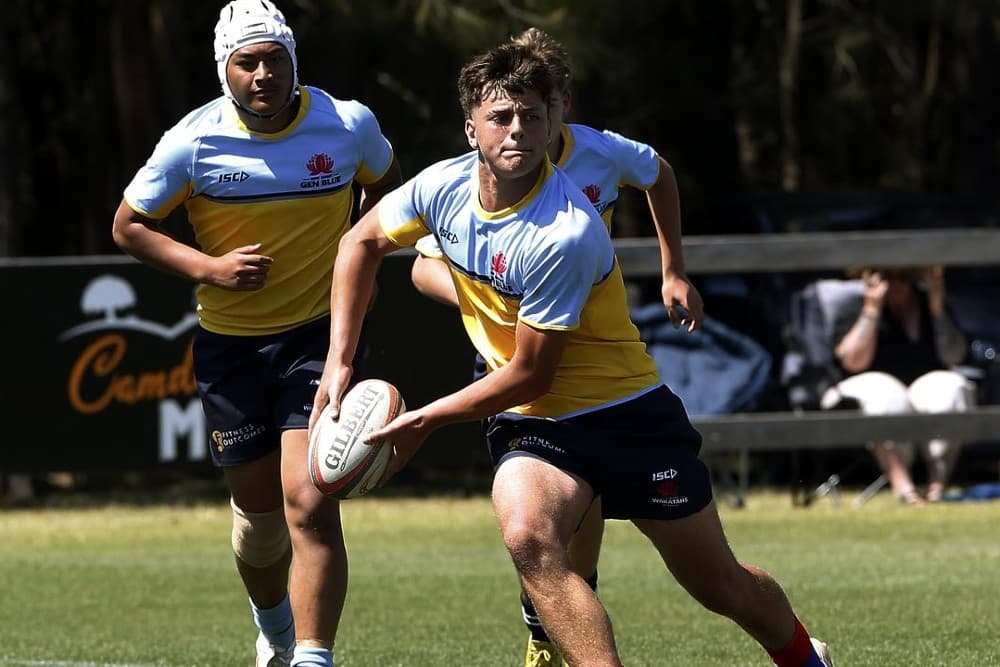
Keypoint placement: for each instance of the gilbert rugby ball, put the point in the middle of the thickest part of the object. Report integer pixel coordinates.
(341, 463)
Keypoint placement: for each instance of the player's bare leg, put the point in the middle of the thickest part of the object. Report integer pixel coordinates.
(256, 487)
(318, 582)
(263, 553)
(584, 551)
(696, 552)
(538, 508)
(585, 545)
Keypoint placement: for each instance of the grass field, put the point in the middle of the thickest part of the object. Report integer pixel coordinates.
(431, 585)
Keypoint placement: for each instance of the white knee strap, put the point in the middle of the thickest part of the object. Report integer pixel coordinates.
(259, 538)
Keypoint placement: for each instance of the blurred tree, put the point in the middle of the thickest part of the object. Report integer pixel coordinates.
(8, 143)
(788, 74)
(56, 112)
(883, 93)
(741, 96)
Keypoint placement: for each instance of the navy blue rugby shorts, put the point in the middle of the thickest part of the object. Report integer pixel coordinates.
(640, 456)
(479, 368)
(254, 387)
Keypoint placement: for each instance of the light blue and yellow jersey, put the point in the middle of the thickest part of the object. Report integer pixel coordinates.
(289, 191)
(548, 262)
(600, 163)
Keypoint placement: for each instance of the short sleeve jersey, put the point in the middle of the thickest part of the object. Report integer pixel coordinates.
(289, 191)
(547, 262)
(600, 163)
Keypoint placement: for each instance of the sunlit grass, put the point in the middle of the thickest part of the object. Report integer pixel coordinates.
(432, 585)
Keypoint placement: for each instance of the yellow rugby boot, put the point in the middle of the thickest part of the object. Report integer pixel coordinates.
(543, 654)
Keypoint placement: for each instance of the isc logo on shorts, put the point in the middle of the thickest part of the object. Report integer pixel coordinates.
(667, 490)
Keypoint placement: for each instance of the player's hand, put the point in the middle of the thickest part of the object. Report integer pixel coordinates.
(407, 432)
(677, 291)
(240, 270)
(331, 389)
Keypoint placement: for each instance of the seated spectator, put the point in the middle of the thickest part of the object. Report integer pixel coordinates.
(898, 354)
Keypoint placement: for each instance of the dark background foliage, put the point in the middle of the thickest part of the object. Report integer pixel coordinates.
(743, 97)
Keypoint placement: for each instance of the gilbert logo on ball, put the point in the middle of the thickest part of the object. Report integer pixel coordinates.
(341, 463)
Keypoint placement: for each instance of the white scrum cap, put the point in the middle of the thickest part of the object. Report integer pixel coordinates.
(245, 22)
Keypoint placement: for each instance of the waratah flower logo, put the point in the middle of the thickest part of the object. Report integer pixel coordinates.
(499, 264)
(321, 163)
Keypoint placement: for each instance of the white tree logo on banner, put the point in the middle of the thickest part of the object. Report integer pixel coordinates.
(108, 299)
(108, 295)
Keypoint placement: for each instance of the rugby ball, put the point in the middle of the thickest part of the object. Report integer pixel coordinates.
(341, 463)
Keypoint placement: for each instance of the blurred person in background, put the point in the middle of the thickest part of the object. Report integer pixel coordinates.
(599, 163)
(265, 172)
(899, 354)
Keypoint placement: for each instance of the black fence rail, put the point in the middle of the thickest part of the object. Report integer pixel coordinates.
(816, 252)
(98, 368)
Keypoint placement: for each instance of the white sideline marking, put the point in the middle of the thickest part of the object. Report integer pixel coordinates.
(14, 662)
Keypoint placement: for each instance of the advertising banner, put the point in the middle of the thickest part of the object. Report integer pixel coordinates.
(98, 369)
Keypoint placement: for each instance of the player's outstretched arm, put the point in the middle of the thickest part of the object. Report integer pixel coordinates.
(676, 290)
(241, 269)
(528, 375)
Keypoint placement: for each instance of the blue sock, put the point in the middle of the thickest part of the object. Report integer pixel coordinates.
(308, 656)
(276, 623)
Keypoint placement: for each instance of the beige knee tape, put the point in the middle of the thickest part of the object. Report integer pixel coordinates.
(259, 539)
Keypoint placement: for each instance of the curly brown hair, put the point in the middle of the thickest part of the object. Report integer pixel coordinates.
(508, 68)
(551, 51)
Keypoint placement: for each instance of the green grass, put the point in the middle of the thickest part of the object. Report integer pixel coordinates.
(431, 585)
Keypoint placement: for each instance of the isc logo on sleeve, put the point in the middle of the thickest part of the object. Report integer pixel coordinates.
(234, 177)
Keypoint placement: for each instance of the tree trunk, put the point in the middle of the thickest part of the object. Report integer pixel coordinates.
(8, 156)
(131, 74)
(788, 70)
(923, 97)
(972, 169)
